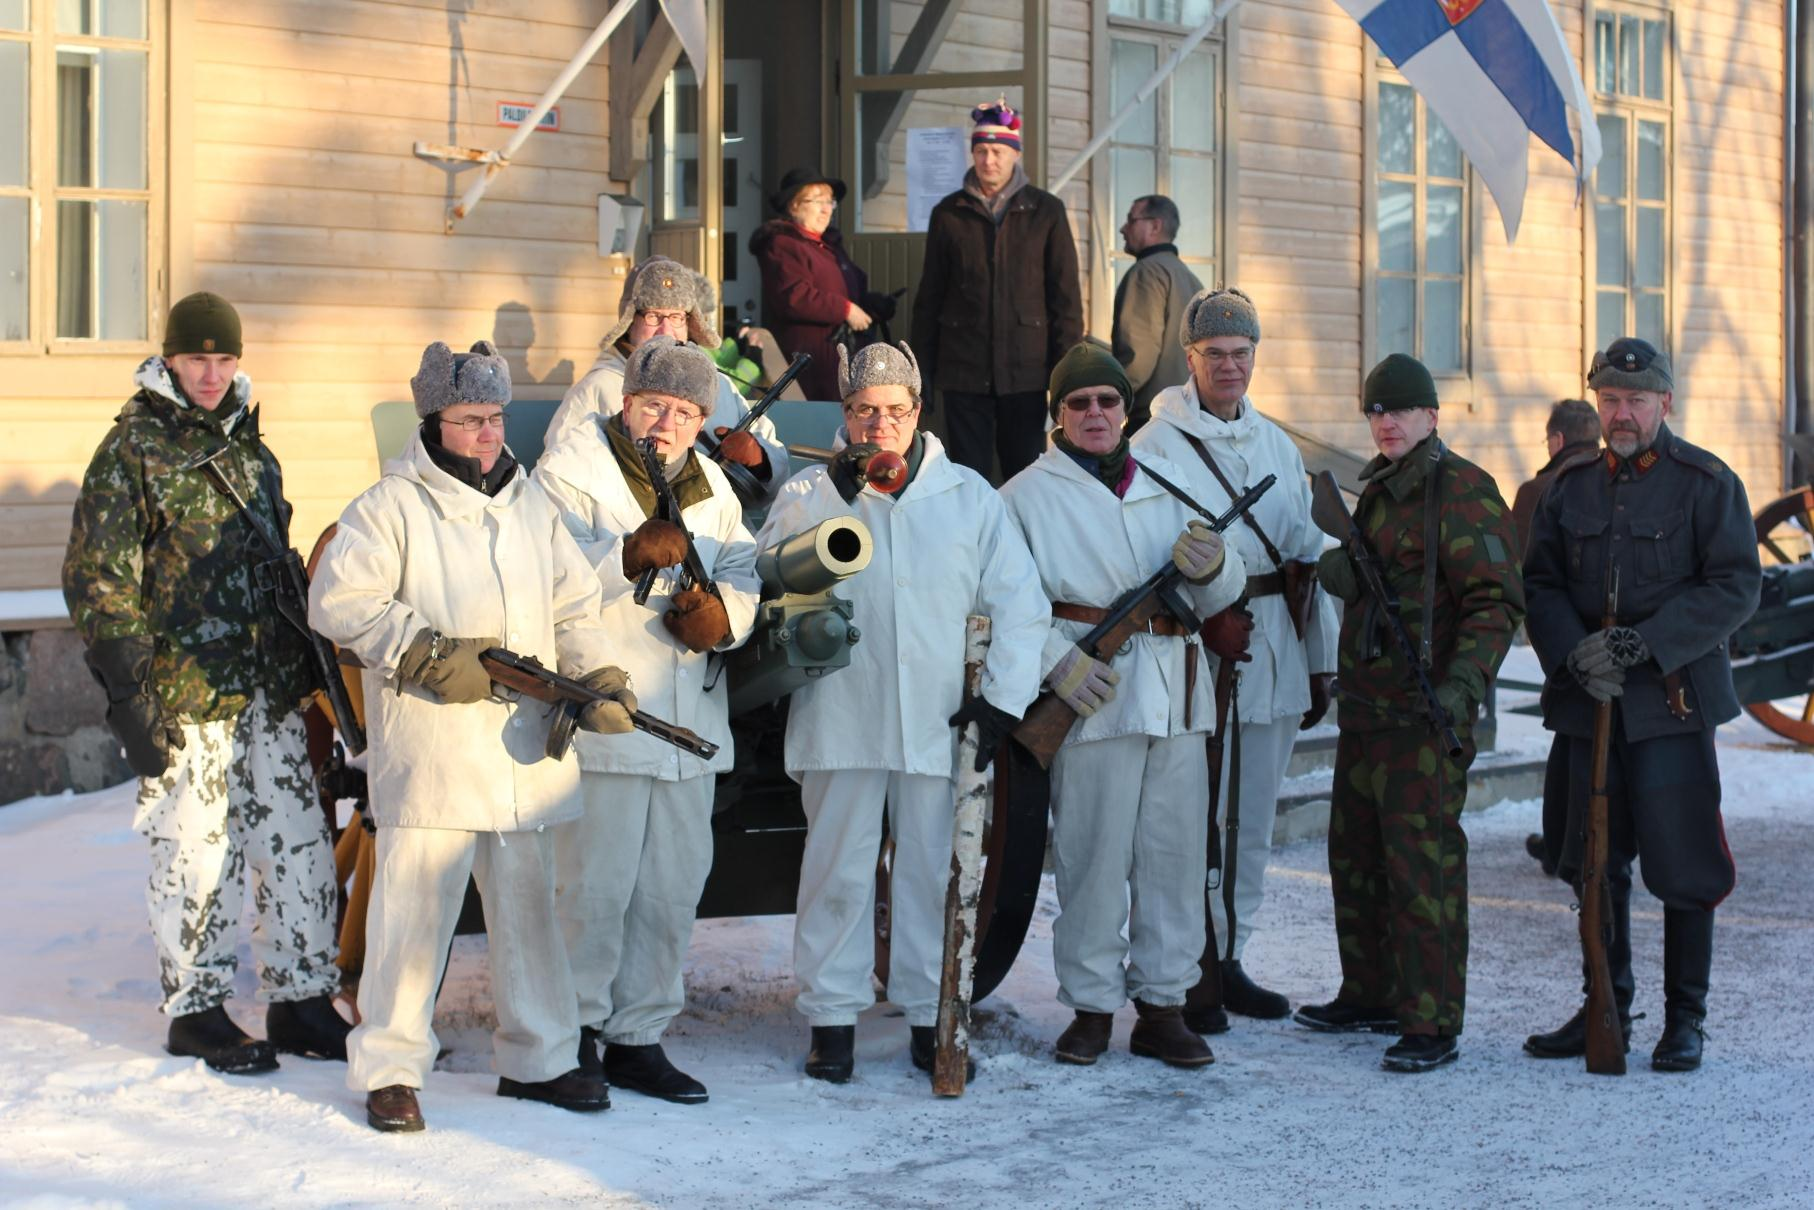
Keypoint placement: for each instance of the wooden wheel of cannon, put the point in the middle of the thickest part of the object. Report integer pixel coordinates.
(1785, 536)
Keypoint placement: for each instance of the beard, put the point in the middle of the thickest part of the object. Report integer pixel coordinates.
(1626, 442)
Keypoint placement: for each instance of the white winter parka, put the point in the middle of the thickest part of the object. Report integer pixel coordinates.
(944, 549)
(584, 479)
(600, 392)
(1091, 547)
(1276, 683)
(420, 550)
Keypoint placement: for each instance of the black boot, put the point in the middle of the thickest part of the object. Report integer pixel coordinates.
(589, 1042)
(577, 1090)
(1203, 1011)
(1420, 1052)
(212, 1037)
(1336, 1017)
(1242, 995)
(311, 1028)
(833, 1055)
(1570, 1042)
(646, 1069)
(922, 1049)
(1687, 967)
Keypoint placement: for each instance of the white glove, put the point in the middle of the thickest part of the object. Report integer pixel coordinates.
(1083, 682)
(1198, 553)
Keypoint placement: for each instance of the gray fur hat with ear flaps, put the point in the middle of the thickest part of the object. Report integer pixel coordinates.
(1223, 311)
(447, 378)
(660, 284)
(878, 365)
(661, 365)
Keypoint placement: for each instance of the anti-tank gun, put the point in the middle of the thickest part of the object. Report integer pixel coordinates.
(803, 630)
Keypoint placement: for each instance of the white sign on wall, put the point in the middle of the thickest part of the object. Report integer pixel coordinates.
(937, 158)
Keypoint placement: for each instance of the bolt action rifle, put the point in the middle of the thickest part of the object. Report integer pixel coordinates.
(667, 508)
(525, 675)
(1332, 517)
(1048, 720)
(1605, 1036)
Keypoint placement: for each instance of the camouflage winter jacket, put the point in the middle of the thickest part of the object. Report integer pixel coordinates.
(1479, 597)
(158, 550)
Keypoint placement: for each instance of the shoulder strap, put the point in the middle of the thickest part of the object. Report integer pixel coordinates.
(1272, 552)
(1432, 556)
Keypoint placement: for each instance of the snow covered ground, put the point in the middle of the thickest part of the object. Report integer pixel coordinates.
(92, 1112)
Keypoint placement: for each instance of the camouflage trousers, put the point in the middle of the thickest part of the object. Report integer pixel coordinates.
(238, 805)
(1398, 866)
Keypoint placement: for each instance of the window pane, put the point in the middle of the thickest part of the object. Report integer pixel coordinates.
(1629, 50)
(73, 17)
(1609, 250)
(1650, 161)
(75, 133)
(1605, 60)
(1397, 226)
(122, 126)
(1648, 269)
(963, 35)
(14, 96)
(1650, 318)
(1609, 177)
(1178, 12)
(1397, 307)
(12, 14)
(108, 18)
(1442, 154)
(1442, 229)
(1131, 63)
(1609, 317)
(1133, 173)
(1442, 326)
(122, 261)
(15, 268)
(1653, 60)
(1397, 128)
(75, 270)
(1194, 105)
(1194, 189)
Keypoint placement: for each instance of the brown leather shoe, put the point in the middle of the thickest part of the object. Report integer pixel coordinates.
(1084, 1039)
(393, 1109)
(1160, 1033)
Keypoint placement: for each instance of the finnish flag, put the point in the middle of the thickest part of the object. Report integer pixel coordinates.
(1495, 72)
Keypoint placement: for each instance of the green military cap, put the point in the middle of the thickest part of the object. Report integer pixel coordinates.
(202, 323)
(1396, 384)
(1088, 363)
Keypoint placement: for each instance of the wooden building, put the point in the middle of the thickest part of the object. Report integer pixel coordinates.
(263, 149)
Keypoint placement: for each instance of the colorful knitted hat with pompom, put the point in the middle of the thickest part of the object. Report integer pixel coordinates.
(996, 123)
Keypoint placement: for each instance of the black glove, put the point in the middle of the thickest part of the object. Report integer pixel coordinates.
(1320, 683)
(881, 307)
(847, 465)
(135, 714)
(992, 727)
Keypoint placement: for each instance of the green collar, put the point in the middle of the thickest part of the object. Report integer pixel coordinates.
(1107, 468)
(690, 486)
(1405, 476)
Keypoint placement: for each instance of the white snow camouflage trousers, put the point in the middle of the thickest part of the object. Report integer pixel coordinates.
(237, 802)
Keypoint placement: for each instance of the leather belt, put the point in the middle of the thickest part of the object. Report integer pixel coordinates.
(1271, 584)
(1160, 624)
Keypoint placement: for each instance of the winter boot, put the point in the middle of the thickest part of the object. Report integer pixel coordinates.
(1338, 1018)
(589, 1041)
(577, 1090)
(1203, 1011)
(1242, 995)
(212, 1037)
(310, 1028)
(393, 1109)
(833, 1054)
(1570, 1042)
(1420, 1052)
(646, 1069)
(1160, 1033)
(922, 1050)
(1687, 967)
(1086, 1038)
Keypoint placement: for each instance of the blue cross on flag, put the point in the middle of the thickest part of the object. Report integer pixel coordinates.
(1495, 72)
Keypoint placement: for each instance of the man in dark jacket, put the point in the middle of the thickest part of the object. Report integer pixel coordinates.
(998, 301)
(1573, 432)
(1667, 526)
(1150, 303)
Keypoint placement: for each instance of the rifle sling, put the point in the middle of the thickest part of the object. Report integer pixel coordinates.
(1272, 552)
(1232, 830)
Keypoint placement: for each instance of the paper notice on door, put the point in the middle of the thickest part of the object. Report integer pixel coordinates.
(937, 158)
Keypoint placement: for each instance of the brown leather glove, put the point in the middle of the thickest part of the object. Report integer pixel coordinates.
(1229, 634)
(1319, 699)
(741, 448)
(697, 619)
(655, 543)
(447, 668)
(608, 717)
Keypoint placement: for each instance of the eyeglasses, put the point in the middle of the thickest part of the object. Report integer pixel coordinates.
(1216, 357)
(662, 319)
(473, 424)
(1108, 401)
(828, 203)
(682, 414)
(866, 412)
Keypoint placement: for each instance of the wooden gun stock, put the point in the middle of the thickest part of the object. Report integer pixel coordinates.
(1605, 1032)
(525, 675)
(1048, 720)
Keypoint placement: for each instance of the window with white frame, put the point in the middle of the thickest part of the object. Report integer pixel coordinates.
(1171, 145)
(1631, 185)
(1421, 233)
(75, 170)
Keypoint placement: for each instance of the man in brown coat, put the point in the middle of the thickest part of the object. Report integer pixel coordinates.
(1573, 432)
(998, 301)
(1149, 303)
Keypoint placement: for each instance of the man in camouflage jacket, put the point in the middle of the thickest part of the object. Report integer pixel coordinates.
(1397, 854)
(204, 681)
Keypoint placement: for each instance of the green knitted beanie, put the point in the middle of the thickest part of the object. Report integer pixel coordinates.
(1088, 364)
(202, 323)
(1396, 384)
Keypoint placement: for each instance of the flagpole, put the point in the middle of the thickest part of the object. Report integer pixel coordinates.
(1190, 43)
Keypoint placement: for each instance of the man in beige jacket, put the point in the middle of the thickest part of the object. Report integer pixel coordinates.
(1149, 303)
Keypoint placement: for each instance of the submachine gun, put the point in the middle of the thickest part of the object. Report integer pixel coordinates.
(803, 630)
(692, 568)
(526, 675)
(748, 489)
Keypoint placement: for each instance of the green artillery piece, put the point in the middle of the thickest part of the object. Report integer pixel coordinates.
(803, 630)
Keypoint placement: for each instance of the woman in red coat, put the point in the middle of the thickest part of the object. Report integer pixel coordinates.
(809, 287)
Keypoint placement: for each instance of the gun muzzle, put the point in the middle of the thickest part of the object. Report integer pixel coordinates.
(813, 560)
(886, 472)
